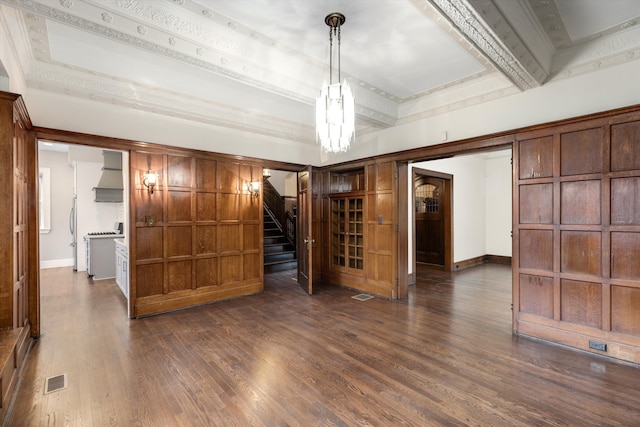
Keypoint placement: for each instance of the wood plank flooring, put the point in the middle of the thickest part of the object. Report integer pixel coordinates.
(446, 356)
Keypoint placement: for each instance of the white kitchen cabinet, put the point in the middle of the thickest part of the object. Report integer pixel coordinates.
(122, 267)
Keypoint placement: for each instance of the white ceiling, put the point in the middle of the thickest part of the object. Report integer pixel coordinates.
(257, 65)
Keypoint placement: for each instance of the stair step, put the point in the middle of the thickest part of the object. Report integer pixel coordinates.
(279, 256)
(280, 266)
(278, 247)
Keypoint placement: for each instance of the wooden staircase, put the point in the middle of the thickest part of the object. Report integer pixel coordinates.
(279, 254)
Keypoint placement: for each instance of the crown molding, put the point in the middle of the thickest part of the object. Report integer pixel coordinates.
(491, 34)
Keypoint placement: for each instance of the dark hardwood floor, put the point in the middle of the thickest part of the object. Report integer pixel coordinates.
(446, 356)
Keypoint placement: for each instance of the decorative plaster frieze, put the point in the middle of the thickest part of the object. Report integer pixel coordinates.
(53, 78)
(465, 18)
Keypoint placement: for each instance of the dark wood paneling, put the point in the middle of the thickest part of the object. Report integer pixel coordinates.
(206, 206)
(149, 280)
(206, 272)
(625, 316)
(580, 252)
(581, 302)
(625, 150)
(536, 204)
(251, 266)
(178, 206)
(229, 238)
(231, 267)
(179, 275)
(179, 171)
(178, 241)
(536, 158)
(147, 205)
(251, 236)
(228, 207)
(580, 202)
(149, 243)
(536, 295)
(536, 249)
(229, 176)
(206, 174)
(625, 255)
(625, 201)
(581, 152)
(206, 243)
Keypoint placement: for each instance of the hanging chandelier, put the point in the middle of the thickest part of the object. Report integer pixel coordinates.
(335, 113)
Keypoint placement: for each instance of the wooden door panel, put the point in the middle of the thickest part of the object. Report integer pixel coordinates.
(625, 254)
(625, 316)
(536, 295)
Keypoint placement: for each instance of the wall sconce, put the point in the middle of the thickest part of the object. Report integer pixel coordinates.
(266, 173)
(150, 180)
(254, 188)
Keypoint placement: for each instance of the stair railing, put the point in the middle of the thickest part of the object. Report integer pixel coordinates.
(283, 210)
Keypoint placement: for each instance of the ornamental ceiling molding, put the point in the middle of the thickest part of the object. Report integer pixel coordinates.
(79, 84)
(464, 17)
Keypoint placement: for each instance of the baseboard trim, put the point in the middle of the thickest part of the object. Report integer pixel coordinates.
(55, 263)
(484, 259)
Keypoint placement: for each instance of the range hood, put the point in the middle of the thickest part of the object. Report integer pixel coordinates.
(109, 188)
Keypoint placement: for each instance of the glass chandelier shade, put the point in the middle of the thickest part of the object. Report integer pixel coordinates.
(335, 107)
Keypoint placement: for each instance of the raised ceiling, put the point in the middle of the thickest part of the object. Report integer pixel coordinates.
(257, 65)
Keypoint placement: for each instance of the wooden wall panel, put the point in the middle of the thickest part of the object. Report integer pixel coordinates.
(625, 201)
(206, 272)
(581, 152)
(178, 241)
(580, 202)
(584, 235)
(625, 316)
(536, 249)
(581, 302)
(536, 158)
(179, 172)
(206, 206)
(625, 255)
(149, 280)
(536, 204)
(229, 238)
(206, 174)
(251, 266)
(228, 207)
(178, 206)
(149, 243)
(625, 150)
(231, 268)
(536, 295)
(580, 252)
(204, 240)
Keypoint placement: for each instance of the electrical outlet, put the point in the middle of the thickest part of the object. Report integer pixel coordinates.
(597, 346)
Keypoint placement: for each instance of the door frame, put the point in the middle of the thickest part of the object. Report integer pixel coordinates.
(448, 215)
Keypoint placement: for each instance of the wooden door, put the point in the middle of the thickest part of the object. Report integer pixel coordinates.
(304, 237)
(430, 212)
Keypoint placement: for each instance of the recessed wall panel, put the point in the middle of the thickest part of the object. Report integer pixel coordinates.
(581, 303)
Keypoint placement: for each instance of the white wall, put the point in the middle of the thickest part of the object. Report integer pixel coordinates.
(481, 204)
(498, 186)
(55, 249)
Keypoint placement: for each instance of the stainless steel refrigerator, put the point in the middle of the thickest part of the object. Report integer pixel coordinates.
(73, 228)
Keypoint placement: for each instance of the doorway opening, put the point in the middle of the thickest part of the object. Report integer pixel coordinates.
(84, 216)
(480, 210)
